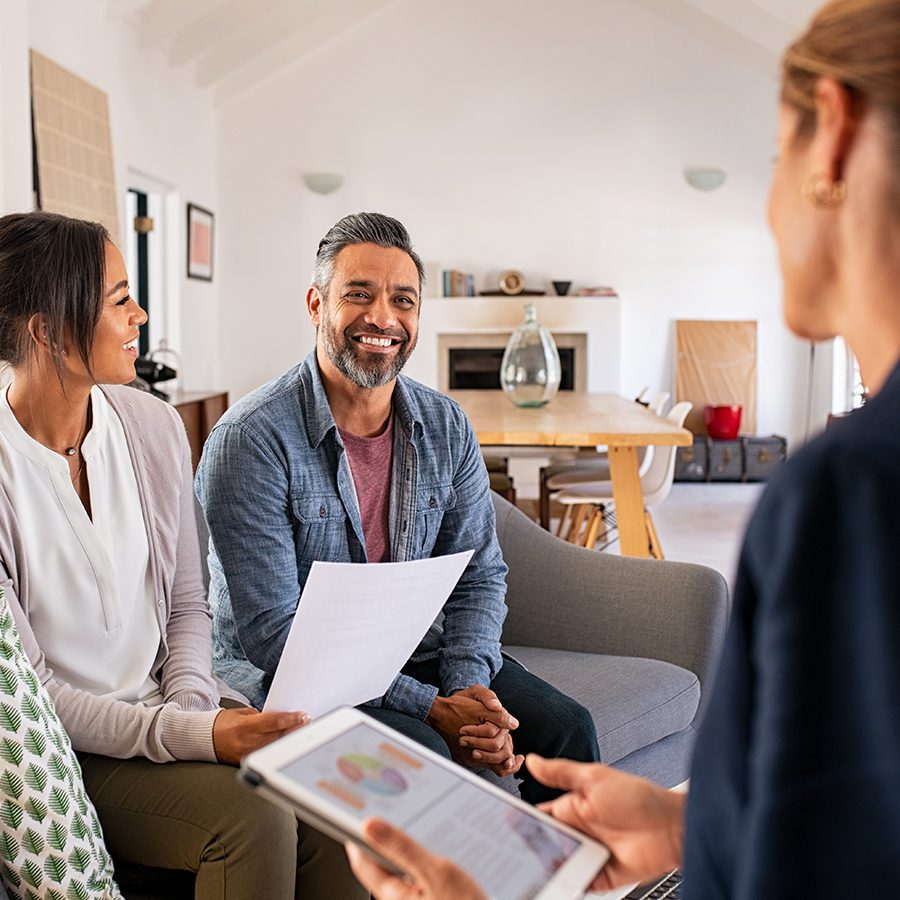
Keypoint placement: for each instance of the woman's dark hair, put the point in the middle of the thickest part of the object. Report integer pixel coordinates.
(54, 267)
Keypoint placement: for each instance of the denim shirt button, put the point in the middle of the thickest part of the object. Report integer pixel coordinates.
(432, 502)
(404, 527)
(321, 512)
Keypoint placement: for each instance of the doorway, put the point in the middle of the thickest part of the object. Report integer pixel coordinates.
(139, 227)
(151, 257)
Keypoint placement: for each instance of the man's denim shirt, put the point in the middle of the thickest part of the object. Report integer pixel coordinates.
(277, 491)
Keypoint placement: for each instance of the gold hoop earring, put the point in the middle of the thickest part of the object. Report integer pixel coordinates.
(822, 192)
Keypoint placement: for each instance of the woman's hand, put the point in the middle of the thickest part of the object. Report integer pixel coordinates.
(640, 823)
(429, 877)
(237, 732)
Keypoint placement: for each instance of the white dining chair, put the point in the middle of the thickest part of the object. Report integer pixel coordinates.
(593, 465)
(585, 504)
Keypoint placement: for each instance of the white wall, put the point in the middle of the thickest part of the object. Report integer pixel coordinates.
(15, 112)
(162, 126)
(545, 137)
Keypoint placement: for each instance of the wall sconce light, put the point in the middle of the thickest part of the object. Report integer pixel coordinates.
(704, 178)
(323, 182)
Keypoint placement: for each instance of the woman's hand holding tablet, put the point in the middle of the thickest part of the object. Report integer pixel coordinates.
(642, 822)
(429, 877)
(347, 768)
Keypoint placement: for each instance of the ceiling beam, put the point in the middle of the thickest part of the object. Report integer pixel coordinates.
(122, 9)
(230, 19)
(737, 28)
(285, 22)
(167, 18)
(750, 19)
(339, 18)
(796, 13)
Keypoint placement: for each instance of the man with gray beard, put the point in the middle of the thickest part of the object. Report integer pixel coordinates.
(343, 459)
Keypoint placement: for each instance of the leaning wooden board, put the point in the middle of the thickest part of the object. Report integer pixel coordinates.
(715, 363)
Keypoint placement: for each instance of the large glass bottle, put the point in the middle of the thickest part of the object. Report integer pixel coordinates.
(530, 371)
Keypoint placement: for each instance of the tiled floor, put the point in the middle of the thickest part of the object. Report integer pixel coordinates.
(705, 523)
(702, 523)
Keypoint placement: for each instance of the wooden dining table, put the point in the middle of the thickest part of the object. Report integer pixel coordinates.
(582, 419)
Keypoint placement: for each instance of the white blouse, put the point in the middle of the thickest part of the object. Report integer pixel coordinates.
(93, 608)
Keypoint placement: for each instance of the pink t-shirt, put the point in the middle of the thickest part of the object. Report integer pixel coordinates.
(370, 464)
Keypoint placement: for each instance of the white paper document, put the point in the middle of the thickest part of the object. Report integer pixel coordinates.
(355, 627)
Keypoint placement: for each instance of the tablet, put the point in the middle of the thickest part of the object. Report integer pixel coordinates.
(346, 767)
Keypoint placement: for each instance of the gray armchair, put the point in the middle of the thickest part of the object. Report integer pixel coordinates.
(636, 641)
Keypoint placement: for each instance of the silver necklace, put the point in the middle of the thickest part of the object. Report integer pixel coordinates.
(71, 451)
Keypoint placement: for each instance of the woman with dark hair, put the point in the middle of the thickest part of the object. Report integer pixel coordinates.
(795, 784)
(101, 568)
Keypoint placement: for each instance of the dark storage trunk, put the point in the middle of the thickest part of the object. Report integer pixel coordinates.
(726, 461)
(692, 463)
(752, 458)
(762, 456)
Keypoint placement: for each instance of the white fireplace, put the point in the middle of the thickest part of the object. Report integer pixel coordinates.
(487, 345)
(588, 325)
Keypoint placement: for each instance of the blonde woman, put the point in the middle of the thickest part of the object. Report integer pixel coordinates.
(795, 787)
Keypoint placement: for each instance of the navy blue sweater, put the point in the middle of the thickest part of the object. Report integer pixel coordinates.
(795, 786)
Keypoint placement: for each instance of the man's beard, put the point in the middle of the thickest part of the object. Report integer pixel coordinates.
(367, 370)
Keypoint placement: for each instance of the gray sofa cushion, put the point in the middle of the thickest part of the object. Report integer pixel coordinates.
(667, 762)
(635, 702)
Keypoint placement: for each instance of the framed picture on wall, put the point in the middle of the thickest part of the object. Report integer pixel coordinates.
(199, 243)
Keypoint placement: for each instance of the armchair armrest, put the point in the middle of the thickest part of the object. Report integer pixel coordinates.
(564, 597)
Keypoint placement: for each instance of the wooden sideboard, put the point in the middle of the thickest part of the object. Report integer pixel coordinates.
(199, 410)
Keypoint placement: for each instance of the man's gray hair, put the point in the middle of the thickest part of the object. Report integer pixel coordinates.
(361, 228)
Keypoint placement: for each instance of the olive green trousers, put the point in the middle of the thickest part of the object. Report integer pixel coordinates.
(195, 816)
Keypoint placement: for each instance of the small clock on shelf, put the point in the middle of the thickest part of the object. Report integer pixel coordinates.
(512, 284)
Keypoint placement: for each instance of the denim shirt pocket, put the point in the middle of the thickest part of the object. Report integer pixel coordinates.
(320, 530)
(432, 502)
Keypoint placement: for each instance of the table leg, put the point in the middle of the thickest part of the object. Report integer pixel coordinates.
(629, 500)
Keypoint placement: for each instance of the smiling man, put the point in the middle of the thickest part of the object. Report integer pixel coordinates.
(344, 459)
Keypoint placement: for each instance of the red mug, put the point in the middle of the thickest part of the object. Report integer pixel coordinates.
(723, 422)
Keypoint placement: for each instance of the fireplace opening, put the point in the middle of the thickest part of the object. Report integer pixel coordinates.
(478, 368)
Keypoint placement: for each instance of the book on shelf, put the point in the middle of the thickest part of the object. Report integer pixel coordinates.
(457, 284)
(596, 292)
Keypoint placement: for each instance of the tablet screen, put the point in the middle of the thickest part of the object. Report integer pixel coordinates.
(509, 851)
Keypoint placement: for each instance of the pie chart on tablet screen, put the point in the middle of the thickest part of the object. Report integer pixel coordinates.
(371, 774)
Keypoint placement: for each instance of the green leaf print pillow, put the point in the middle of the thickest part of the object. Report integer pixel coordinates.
(51, 845)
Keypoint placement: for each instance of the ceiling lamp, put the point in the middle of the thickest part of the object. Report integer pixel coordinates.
(323, 182)
(704, 178)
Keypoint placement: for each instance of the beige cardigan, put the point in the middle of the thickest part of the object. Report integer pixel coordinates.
(180, 728)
